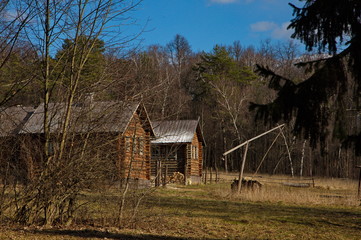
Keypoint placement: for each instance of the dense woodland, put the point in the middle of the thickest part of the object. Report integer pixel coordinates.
(174, 82)
(73, 51)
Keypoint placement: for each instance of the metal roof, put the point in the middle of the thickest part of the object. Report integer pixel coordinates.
(177, 131)
(93, 117)
(13, 118)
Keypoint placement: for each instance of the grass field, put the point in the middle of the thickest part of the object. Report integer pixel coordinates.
(328, 211)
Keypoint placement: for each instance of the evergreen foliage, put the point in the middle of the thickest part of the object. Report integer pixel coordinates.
(219, 66)
(17, 76)
(93, 67)
(320, 102)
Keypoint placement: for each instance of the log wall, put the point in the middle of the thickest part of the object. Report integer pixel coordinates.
(170, 155)
(194, 157)
(134, 151)
(177, 156)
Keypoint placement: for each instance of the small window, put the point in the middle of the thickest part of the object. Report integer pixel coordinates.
(194, 152)
(155, 151)
(51, 148)
(141, 146)
(127, 144)
(189, 151)
(135, 145)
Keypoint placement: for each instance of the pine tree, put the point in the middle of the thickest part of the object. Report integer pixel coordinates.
(319, 104)
(94, 65)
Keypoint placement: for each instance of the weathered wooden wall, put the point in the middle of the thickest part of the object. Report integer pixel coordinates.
(134, 151)
(11, 168)
(110, 147)
(194, 157)
(178, 155)
(171, 156)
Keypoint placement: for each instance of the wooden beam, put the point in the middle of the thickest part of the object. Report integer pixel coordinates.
(265, 155)
(252, 139)
(359, 183)
(288, 151)
(240, 177)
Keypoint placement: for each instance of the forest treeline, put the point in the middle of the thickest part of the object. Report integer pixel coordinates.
(67, 51)
(175, 82)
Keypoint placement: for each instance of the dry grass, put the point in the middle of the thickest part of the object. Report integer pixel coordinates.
(213, 212)
(326, 191)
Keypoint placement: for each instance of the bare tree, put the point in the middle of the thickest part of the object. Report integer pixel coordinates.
(54, 191)
(179, 52)
(12, 27)
(236, 50)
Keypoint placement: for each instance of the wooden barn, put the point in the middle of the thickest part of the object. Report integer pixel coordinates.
(178, 147)
(113, 130)
(12, 120)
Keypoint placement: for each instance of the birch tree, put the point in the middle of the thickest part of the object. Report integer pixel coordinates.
(227, 84)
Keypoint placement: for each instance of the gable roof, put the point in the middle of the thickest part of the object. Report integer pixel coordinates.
(94, 117)
(177, 131)
(13, 118)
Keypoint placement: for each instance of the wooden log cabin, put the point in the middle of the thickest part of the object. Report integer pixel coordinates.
(11, 121)
(178, 147)
(115, 131)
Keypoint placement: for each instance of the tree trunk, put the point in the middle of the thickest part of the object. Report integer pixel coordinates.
(302, 157)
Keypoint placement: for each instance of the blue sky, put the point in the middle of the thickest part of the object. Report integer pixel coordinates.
(205, 23)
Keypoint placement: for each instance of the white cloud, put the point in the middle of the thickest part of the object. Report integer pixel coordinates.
(277, 31)
(223, 1)
(281, 32)
(233, 1)
(263, 26)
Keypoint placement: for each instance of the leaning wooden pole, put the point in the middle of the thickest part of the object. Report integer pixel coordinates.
(240, 177)
(265, 155)
(252, 139)
(288, 152)
(245, 153)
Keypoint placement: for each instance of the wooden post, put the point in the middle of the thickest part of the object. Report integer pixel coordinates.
(310, 162)
(240, 177)
(158, 173)
(185, 170)
(165, 175)
(217, 176)
(313, 182)
(205, 175)
(210, 175)
(359, 183)
(245, 152)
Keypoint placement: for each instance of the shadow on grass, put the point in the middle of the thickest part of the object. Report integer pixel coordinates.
(109, 235)
(345, 221)
(103, 235)
(243, 212)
